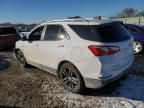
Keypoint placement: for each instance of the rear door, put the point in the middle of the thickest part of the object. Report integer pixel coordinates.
(109, 35)
(53, 48)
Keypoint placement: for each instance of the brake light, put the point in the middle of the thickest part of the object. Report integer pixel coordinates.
(103, 50)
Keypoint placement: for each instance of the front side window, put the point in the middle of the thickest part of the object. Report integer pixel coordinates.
(54, 32)
(36, 34)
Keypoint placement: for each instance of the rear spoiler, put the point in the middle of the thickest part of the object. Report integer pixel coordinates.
(111, 23)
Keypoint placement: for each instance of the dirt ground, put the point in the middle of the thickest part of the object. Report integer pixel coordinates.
(34, 88)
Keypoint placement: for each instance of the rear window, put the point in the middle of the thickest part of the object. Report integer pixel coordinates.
(102, 33)
(5, 31)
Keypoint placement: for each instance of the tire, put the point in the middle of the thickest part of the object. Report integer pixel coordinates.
(138, 47)
(71, 78)
(21, 59)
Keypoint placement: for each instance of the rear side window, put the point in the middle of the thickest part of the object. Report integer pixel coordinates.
(85, 32)
(6, 31)
(102, 33)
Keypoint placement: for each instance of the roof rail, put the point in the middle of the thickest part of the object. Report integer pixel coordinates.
(69, 17)
(63, 20)
(77, 18)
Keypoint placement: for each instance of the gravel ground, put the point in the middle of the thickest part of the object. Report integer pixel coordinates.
(34, 88)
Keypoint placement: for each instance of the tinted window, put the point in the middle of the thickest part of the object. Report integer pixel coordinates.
(139, 28)
(62, 34)
(102, 33)
(36, 34)
(5, 31)
(85, 32)
(132, 29)
(52, 32)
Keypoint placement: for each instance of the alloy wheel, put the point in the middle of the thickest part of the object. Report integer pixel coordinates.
(21, 58)
(69, 78)
(137, 47)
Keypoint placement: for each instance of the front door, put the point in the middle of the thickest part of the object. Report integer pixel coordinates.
(31, 48)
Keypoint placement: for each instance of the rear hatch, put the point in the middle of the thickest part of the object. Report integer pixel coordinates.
(114, 34)
(111, 43)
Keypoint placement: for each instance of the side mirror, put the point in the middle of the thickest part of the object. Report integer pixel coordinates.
(24, 38)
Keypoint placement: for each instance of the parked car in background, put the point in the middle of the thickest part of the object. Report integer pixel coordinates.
(138, 34)
(8, 36)
(81, 52)
(23, 34)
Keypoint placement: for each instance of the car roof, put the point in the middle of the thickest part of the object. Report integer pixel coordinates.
(80, 21)
(7, 27)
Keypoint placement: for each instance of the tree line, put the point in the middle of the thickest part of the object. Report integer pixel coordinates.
(128, 12)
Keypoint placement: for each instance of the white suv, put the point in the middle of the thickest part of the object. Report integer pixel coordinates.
(81, 52)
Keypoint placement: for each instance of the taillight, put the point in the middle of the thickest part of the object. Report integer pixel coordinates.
(103, 50)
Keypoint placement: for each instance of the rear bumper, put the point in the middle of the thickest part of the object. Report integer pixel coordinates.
(99, 83)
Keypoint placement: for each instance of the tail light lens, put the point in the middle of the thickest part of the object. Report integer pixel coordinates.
(103, 50)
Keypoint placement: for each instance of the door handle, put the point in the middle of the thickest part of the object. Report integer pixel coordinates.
(60, 45)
